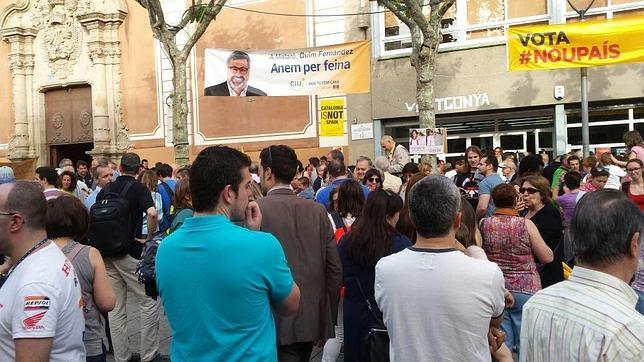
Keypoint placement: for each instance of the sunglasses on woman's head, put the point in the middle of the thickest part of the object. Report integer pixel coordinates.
(529, 190)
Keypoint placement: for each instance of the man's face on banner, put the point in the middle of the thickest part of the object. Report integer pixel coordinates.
(238, 73)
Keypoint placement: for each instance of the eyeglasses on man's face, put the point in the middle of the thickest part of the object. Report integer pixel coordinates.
(238, 70)
(8, 213)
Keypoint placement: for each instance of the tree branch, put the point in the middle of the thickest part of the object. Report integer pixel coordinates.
(187, 17)
(211, 12)
(399, 14)
(416, 13)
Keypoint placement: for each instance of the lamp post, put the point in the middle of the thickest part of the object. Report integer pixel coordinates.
(585, 135)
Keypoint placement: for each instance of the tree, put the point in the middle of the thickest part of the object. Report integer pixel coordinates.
(202, 14)
(425, 38)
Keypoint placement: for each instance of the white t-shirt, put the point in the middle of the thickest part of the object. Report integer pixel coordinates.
(615, 174)
(42, 299)
(438, 303)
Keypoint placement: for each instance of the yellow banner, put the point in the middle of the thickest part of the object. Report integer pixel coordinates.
(329, 70)
(332, 117)
(587, 44)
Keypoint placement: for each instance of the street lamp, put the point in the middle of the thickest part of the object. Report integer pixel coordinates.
(585, 135)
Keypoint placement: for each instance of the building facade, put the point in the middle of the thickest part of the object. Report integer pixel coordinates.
(86, 77)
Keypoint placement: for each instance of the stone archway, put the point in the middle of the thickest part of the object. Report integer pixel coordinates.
(60, 43)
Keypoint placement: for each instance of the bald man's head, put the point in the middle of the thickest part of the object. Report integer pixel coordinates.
(387, 143)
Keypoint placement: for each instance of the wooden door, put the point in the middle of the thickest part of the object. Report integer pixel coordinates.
(68, 116)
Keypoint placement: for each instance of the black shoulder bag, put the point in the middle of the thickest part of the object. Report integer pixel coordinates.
(376, 342)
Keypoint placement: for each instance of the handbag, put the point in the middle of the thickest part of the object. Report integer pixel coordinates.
(376, 342)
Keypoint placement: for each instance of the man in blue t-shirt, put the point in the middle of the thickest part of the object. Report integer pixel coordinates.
(218, 280)
(488, 166)
(338, 174)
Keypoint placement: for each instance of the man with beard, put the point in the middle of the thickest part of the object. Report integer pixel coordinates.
(238, 65)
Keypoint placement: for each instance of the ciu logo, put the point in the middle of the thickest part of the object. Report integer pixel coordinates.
(297, 84)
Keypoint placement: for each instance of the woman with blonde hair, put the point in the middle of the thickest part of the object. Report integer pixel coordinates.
(150, 180)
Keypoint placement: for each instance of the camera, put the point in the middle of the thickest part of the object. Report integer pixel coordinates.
(559, 92)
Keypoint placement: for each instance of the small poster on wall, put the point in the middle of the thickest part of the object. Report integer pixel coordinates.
(427, 141)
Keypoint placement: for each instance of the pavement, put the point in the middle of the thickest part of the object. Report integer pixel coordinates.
(165, 335)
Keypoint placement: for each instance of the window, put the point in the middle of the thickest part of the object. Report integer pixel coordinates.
(484, 22)
(604, 9)
(512, 142)
(545, 139)
(483, 142)
(598, 134)
(456, 145)
(466, 22)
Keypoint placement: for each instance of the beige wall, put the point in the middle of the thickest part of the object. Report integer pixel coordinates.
(483, 70)
(138, 76)
(6, 97)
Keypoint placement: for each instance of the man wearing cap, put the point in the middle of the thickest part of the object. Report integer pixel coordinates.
(508, 170)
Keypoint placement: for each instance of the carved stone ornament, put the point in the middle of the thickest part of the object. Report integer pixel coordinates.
(57, 120)
(123, 140)
(60, 34)
(62, 45)
(85, 119)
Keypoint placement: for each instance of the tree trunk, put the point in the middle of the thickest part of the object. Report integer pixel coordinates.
(179, 110)
(424, 64)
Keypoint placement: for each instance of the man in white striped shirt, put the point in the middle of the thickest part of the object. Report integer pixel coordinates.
(592, 316)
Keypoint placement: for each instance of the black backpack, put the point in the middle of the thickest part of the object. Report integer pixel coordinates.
(110, 227)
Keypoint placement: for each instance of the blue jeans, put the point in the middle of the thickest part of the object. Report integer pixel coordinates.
(640, 302)
(511, 324)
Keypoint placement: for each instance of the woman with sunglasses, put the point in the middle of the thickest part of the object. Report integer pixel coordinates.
(634, 189)
(371, 237)
(512, 242)
(535, 192)
(373, 180)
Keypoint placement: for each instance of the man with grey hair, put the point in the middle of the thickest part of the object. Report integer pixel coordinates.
(238, 65)
(397, 154)
(391, 183)
(592, 316)
(435, 300)
(362, 165)
(103, 175)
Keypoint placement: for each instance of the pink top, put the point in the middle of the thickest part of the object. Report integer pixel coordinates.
(507, 243)
(639, 151)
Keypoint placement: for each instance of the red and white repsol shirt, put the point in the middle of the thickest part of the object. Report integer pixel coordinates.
(42, 299)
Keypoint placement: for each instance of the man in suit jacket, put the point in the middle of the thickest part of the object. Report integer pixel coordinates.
(238, 65)
(304, 230)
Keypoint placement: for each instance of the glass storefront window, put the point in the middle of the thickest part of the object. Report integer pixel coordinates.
(599, 116)
(456, 145)
(545, 139)
(639, 127)
(483, 142)
(599, 134)
(512, 142)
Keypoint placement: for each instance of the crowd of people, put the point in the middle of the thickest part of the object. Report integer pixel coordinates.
(494, 256)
